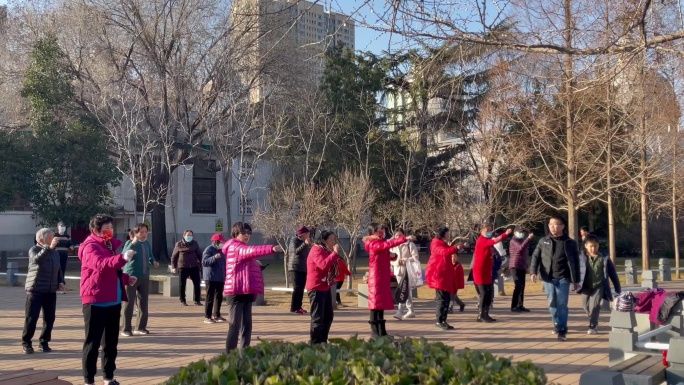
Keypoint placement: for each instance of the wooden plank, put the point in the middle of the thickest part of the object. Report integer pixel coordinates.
(18, 373)
(38, 378)
(643, 365)
(628, 363)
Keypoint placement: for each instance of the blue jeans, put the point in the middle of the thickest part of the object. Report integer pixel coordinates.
(558, 293)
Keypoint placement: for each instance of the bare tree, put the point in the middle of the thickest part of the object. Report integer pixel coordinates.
(352, 198)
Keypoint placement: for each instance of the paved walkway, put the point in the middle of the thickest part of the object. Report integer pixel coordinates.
(179, 336)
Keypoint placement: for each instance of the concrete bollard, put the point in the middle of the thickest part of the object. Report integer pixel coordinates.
(649, 279)
(665, 272)
(362, 299)
(623, 337)
(500, 292)
(12, 271)
(630, 273)
(675, 355)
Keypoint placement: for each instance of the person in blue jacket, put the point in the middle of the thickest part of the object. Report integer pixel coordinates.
(214, 272)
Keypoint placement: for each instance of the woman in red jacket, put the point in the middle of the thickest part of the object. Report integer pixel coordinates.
(379, 291)
(319, 264)
(481, 268)
(440, 276)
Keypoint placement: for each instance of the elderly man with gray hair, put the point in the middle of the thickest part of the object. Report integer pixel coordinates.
(44, 279)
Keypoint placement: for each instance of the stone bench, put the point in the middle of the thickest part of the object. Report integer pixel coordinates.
(30, 377)
(642, 369)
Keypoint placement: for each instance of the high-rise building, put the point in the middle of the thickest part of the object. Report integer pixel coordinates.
(287, 39)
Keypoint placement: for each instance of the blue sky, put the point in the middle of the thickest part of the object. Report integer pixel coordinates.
(367, 39)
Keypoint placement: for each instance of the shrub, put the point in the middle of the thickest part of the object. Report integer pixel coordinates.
(355, 361)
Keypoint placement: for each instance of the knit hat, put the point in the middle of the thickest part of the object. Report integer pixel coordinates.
(302, 230)
(218, 237)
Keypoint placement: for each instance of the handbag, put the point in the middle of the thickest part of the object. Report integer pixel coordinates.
(402, 292)
(415, 273)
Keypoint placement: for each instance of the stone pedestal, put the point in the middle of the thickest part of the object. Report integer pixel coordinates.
(630, 273)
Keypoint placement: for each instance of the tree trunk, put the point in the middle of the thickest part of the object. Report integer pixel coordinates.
(569, 126)
(227, 176)
(611, 214)
(643, 189)
(159, 247)
(674, 204)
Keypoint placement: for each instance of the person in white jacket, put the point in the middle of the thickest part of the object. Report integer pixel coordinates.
(404, 252)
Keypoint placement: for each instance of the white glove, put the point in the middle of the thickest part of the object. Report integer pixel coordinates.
(128, 255)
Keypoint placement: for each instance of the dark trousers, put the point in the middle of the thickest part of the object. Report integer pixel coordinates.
(519, 291)
(101, 327)
(212, 307)
(486, 293)
(298, 279)
(456, 300)
(321, 316)
(239, 325)
(194, 275)
(63, 258)
(377, 315)
(34, 303)
(443, 300)
(479, 293)
(140, 294)
(337, 295)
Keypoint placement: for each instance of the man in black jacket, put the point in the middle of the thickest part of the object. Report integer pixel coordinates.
(43, 280)
(556, 260)
(297, 252)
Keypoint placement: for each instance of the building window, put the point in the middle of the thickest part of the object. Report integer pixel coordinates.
(204, 187)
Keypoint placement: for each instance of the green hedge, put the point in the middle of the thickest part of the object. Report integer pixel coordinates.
(355, 361)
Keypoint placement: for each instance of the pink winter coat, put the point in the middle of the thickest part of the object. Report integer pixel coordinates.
(243, 273)
(379, 290)
(100, 271)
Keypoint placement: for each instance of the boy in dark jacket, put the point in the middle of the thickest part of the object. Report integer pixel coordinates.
(43, 280)
(596, 270)
(214, 272)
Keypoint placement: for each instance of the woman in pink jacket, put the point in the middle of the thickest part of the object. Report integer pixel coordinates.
(379, 291)
(244, 281)
(102, 290)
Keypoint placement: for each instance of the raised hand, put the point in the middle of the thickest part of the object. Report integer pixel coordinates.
(277, 249)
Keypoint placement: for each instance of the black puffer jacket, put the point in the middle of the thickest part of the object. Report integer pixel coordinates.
(297, 253)
(44, 272)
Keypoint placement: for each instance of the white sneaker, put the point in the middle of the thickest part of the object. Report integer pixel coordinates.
(398, 315)
(410, 315)
(592, 331)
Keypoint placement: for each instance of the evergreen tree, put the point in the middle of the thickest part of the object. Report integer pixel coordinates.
(70, 167)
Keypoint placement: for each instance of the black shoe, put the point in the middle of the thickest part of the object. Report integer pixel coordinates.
(27, 349)
(198, 303)
(516, 310)
(114, 382)
(562, 335)
(448, 326)
(462, 307)
(485, 320)
(375, 329)
(441, 325)
(524, 309)
(183, 303)
(489, 319)
(43, 347)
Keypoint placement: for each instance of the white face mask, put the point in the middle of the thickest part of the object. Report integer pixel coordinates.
(62, 229)
(220, 246)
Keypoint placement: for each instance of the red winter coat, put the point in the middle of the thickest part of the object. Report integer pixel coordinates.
(379, 290)
(483, 261)
(100, 271)
(439, 272)
(459, 280)
(318, 265)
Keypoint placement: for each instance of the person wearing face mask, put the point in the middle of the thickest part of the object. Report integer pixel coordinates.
(139, 292)
(64, 244)
(556, 260)
(103, 284)
(482, 267)
(439, 274)
(519, 249)
(214, 273)
(244, 281)
(320, 275)
(379, 290)
(186, 260)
